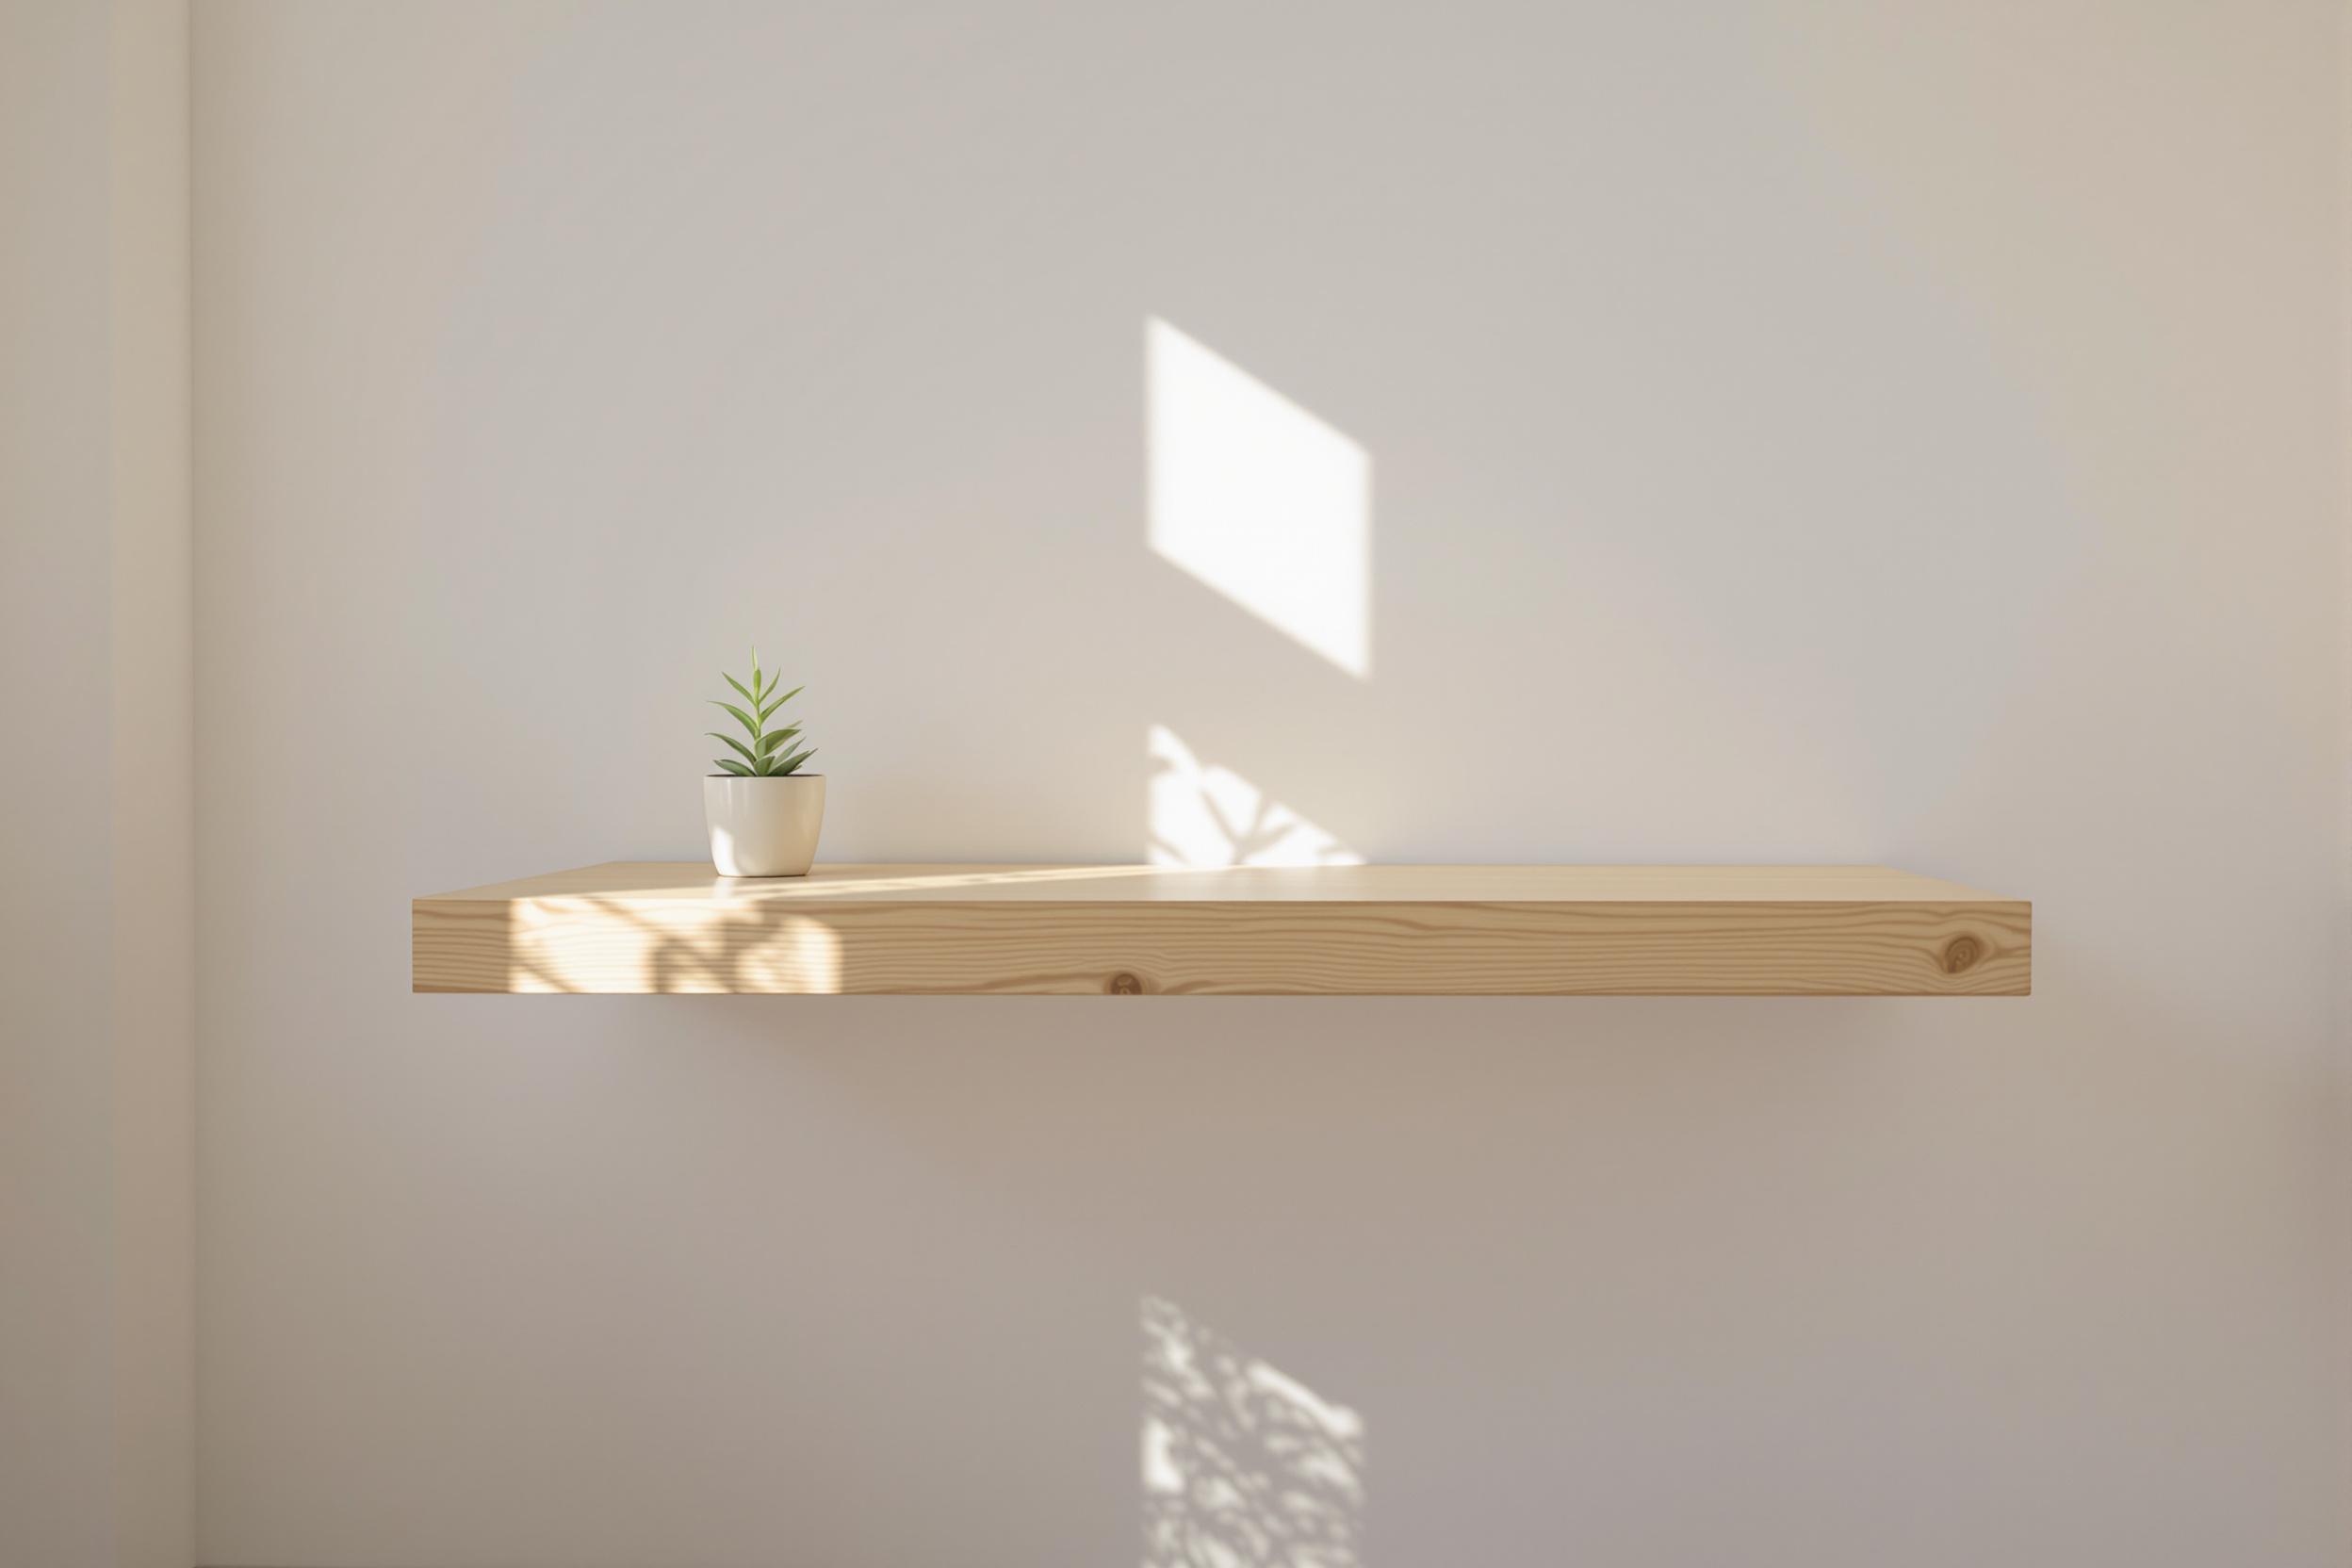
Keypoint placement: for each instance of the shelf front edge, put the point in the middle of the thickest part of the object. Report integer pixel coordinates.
(601, 945)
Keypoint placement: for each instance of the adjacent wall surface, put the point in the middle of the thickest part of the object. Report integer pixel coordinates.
(96, 874)
(1786, 430)
(56, 1094)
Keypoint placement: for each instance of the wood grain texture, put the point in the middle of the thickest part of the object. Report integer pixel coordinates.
(955, 930)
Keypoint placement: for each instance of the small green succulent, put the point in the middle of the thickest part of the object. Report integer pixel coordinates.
(771, 754)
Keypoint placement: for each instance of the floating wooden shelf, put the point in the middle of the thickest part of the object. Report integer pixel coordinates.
(954, 930)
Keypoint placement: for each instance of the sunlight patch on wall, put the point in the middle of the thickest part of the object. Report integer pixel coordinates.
(1258, 498)
(1243, 1465)
(1205, 816)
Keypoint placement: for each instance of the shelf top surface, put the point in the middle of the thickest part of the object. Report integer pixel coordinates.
(693, 882)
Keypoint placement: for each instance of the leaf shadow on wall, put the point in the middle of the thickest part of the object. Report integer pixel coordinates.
(1242, 1464)
(1344, 1235)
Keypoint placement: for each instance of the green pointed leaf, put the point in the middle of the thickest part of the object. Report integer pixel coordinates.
(774, 703)
(769, 754)
(742, 750)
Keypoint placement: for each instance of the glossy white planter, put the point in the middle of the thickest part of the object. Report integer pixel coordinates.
(763, 826)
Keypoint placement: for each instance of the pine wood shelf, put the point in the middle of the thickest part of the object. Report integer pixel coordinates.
(957, 930)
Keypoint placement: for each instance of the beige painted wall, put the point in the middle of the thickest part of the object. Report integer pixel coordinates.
(153, 837)
(1796, 430)
(54, 1078)
(96, 1110)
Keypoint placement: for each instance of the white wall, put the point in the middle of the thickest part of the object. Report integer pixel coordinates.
(96, 1107)
(1797, 431)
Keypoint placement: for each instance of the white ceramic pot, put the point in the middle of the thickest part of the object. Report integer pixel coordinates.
(763, 826)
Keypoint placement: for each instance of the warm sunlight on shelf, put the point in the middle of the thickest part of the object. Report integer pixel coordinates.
(1255, 930)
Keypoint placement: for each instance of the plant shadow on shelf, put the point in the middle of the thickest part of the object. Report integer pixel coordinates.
(751, 953)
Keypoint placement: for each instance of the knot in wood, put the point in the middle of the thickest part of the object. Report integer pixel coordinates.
(1124, 984)
(1962, 952)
